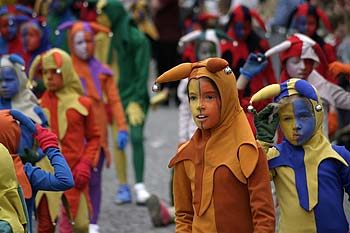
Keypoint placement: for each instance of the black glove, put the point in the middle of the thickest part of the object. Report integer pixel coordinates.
(29, 156)
(266, 122)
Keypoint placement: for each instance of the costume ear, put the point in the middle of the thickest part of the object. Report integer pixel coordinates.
(178, 72)
(278, 48)
(96, 27)
(63, 26)
(215, 64)
(14, 58)
(58, 59)
(266, 93)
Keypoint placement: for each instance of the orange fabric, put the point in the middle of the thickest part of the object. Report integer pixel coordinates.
(10, 134)
(22, 177)
(73, 145)
(336, 68)
(109, 90)
(332, 123)
(231, 144)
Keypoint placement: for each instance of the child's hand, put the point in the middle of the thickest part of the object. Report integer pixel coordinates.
(254, 65)
(82, 173)
(45, 137)
(135, 114)
(266, 122)
(122, 139)
(29, 156)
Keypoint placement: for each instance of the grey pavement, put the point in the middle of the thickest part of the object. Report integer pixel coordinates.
(160, 145)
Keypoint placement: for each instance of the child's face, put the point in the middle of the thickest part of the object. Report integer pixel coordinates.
(83, 45)
(8, 31)
(9, 84)
(306, 25)
(205, 103)
(53, 79)
(297, 121)
(31, 38)
(299, 68)
(242, 29)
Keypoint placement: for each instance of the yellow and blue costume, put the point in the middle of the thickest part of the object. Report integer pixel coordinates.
(310, 177)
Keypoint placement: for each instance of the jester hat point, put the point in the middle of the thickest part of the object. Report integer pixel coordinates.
(293, 86)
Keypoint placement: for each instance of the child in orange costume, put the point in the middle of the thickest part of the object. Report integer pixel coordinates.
(71, 118)
(98, 83)
(221, 178)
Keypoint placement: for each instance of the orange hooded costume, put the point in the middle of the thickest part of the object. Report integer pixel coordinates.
(221, 178)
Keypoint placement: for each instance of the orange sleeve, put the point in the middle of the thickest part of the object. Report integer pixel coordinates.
(261, 201)
(112, 94)
(92, 132)
(182, 199)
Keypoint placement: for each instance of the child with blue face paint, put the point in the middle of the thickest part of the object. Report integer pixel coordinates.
(13, 91)
(309, 173)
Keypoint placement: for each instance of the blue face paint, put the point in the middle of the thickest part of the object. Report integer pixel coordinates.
(9, 83)
(238, 29)
(301, 24)
(297, 121)
(305, 120)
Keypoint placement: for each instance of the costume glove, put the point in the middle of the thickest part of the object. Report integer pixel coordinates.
(29, 156)
(45, 138)
(135, 114)
(122, 139)
(266, 122)
(81, 173)
(254, 65)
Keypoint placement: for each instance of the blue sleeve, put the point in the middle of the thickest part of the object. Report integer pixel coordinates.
(39, 111)
(344, 170)
(61, 180)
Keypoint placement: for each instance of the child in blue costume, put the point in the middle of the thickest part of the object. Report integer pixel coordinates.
(32, 178)
(13, 91)
(310, 174)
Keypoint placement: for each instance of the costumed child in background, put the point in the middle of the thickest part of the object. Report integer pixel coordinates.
(98, 82)
(35, 37)
(247, 40)
(32, 178)
(59, 12)
(71, 117)
(306, 19)
(130, 49)
(11, 17)
(299, 56)
(310, 174)
(13, 216)
(221, 179)
(14, 94)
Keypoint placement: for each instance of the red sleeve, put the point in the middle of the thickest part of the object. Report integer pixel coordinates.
(92, 132)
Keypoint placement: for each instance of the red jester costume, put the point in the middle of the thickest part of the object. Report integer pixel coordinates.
(71, 117)
(247, 41)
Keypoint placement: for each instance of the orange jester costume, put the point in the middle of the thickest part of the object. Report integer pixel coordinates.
(221, 178)
(71, 118)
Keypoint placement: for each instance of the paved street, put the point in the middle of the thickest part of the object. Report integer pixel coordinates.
(160, 145)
